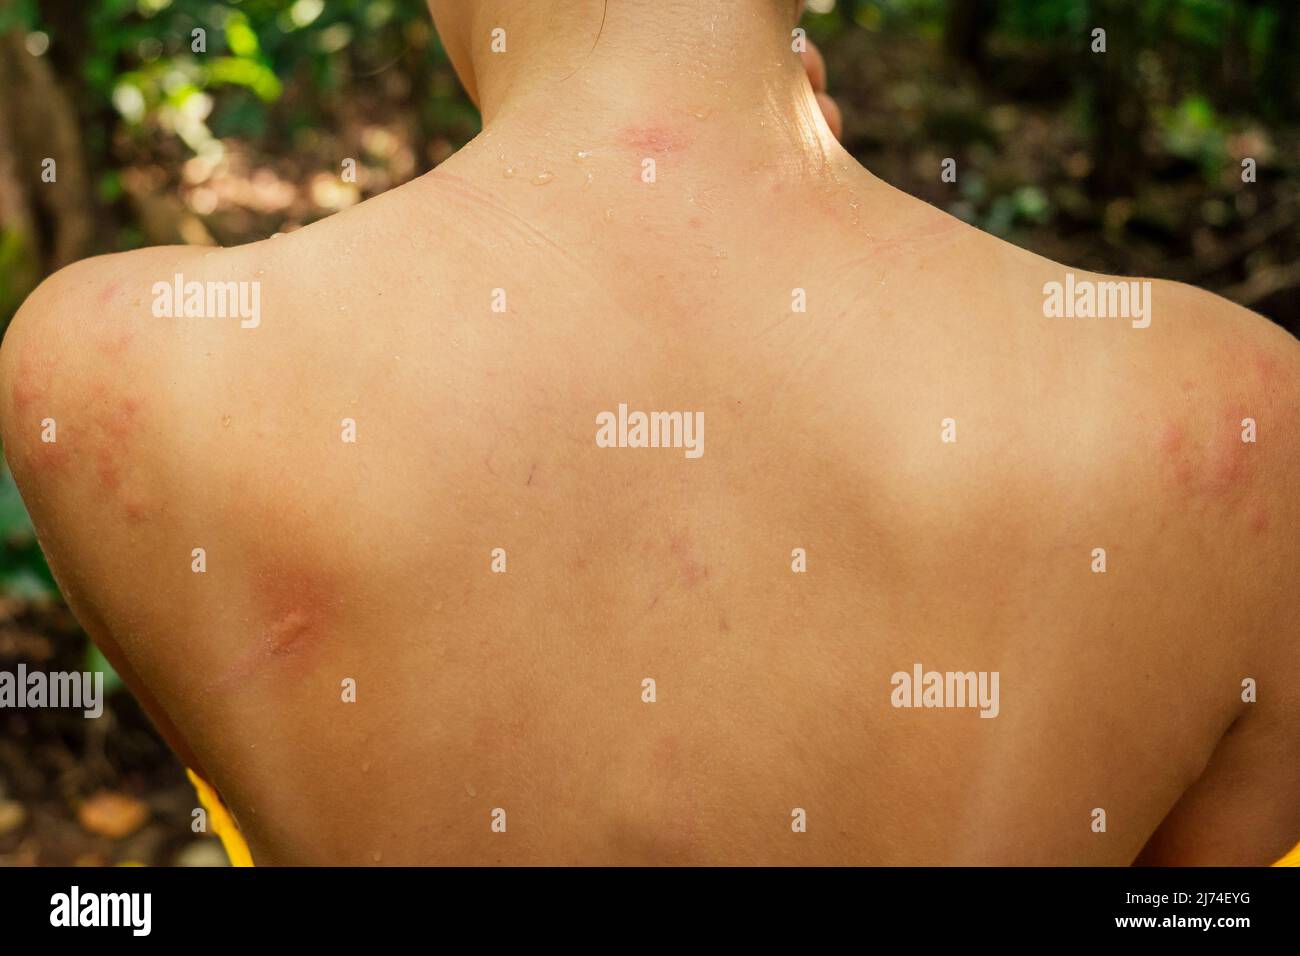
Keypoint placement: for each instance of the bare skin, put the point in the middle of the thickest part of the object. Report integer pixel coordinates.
(371, 561)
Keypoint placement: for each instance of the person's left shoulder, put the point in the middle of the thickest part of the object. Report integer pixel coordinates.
(83, 363)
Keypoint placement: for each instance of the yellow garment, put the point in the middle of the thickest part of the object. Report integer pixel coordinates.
(223, 824)
(1291, 859)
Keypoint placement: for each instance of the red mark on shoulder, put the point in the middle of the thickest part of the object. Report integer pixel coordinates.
(113, 439)
(31, 382)
(653, 139)
(1268, 367)
(1225, 460)
(293, 612)
(1212, 461)
(109, 292)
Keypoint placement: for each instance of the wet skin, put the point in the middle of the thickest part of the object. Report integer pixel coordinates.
(370, 561)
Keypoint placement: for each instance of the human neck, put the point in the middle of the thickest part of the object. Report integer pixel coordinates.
(646, 73)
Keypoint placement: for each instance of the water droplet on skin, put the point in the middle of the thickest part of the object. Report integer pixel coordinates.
(581, 154)
(377, 856)
(261, 272)
(508, 172)
(469, 788)
(225, 421)
(542, 178)
(589, 180)
(609, 215)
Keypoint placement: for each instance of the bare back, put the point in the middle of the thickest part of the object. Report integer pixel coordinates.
(429, 593)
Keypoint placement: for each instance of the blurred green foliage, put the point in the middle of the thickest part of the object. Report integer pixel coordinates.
(22, 566)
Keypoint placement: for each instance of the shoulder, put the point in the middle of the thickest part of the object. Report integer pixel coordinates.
(101, 380)
(1177, 422)
(79, 350)
(1215, 414)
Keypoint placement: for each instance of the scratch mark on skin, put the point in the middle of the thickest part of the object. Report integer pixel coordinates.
(286, 633)
(292, 617)
(653, 139)
(692, 570)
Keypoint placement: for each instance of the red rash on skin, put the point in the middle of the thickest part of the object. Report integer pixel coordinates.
(30, 395)
(693, 571)
(53, 456)
(1226, 458)
(1217, 468)
(652, 139)
(109, 292)
(116, 345)
(1268, 368)
(292, 614)
(115, 424)
(29, 386)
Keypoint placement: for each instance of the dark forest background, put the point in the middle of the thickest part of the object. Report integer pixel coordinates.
(1127, 162)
